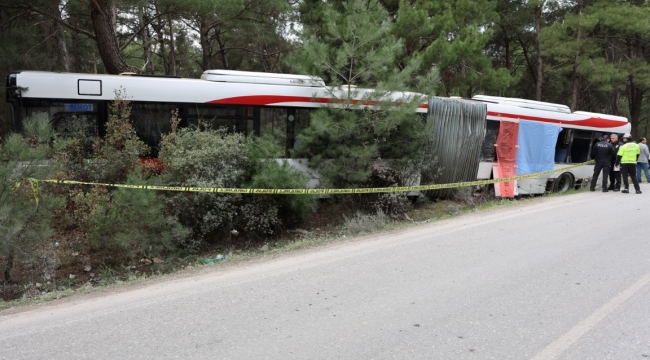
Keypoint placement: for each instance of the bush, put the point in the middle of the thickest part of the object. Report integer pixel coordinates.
(108, 159)
(134, 223)
(209, 158)
(215, 158)
(24, 224)
(270, 172)
(126, 223)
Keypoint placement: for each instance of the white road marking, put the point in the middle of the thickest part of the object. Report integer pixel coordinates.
(560, 345)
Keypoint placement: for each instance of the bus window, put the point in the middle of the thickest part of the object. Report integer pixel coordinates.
(72, 124)
(234, 118)
(151, 121)
(562, 146)
(273, 122)
(284, 124)
(66, 118)
(488, 151)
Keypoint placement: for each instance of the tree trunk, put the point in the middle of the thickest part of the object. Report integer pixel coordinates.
(635, 93)
(636, 102)
(222, 50)
(540, 69)
(576, 64)
(76, 48)
(204, 39)
(109, 50)
(529, 64)
(146, 46)
(59, 35)
(507, 45)
(172, 51)
(614, 100)
(161, 44)
(8, 266)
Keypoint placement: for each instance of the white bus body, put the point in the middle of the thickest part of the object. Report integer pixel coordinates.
(244, 99)
(218, 87)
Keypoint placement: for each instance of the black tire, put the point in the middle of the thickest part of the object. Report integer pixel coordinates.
(563, 183)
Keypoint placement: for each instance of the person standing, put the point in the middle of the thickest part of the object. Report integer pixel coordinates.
(627, 157)
(642, 162)
(603, 153)
(615, 171)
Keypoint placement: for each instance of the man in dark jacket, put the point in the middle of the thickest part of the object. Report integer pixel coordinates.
(614, 174)
(603, 152)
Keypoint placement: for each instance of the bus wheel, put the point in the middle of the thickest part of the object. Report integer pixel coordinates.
(563, 183)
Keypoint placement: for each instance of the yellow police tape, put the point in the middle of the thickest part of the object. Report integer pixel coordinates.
(34, 183)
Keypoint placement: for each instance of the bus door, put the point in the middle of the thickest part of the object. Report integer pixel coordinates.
(580, 147)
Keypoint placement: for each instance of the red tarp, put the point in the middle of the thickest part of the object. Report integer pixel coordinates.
(507, 156)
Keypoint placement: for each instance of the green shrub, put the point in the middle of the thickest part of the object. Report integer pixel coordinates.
(209, 158)
(134, 223)
(216, 158)
(119, 152)
(270, 172)
(23, 223)
(108, 159)
(271, 175)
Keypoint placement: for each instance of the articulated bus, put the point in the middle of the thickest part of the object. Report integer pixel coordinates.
(280, 105)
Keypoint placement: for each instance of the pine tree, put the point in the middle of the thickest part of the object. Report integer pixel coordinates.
(603, 48)
(452, 36)
(354, 48)
(25, 215)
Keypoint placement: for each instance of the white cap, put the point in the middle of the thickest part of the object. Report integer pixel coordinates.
(627, 135)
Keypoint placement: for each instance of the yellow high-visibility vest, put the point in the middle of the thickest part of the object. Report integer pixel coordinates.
(629, 152)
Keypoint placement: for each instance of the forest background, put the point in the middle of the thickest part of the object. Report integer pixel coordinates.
(592, 55)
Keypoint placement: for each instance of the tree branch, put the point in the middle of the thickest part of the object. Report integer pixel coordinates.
(32, 9)
(136, 33)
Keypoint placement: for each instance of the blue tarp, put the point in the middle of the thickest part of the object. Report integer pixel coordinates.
(536, 150)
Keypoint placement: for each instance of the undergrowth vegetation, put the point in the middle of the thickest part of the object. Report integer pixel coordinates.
(83, 235)
(78, 229)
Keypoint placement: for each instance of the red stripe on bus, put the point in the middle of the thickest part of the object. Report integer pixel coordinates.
(261, 100)
(590, 122)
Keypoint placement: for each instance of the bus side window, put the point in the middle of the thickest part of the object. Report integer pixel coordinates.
(151, 121)
(562, 146)
(240, 119)
(298, 120)
(488, 151)
(71, 124)
(284, 125)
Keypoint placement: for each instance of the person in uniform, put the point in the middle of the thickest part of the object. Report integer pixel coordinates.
(603, 153)
(627, 156)
(615, 171)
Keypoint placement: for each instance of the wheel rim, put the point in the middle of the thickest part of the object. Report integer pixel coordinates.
(563, 183)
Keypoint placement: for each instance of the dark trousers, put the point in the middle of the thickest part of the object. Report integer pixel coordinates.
(614, 179)
(629, 170)
(604, 167)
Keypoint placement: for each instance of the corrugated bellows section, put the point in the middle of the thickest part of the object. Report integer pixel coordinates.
(458, 128)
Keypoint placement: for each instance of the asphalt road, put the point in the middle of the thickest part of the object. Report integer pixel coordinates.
(554, 278)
